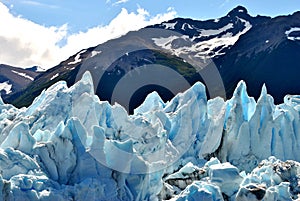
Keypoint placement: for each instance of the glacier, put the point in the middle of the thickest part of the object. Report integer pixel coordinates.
(69, 145)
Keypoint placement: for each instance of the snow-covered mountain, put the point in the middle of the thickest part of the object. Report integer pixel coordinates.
(237, 46)
(211, 38)
(69, 145)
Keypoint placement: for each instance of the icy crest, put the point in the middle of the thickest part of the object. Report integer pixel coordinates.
(70, 145)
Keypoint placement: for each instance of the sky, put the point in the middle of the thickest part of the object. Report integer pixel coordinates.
(46, 32)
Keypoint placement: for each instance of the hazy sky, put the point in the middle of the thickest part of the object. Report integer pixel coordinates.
(46, 32)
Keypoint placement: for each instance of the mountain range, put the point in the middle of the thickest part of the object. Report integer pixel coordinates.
(70, 145)
(218, 52)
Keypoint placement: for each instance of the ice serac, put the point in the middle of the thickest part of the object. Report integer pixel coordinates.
(272, 180)
(152, 102)
(254, 131)
(19, 138)
(72, 138)
(69, 145)
(201, 191)
(226, 176)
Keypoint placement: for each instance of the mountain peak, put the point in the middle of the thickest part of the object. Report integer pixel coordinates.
(237, 11)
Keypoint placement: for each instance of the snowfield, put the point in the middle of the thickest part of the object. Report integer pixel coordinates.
(69, 145)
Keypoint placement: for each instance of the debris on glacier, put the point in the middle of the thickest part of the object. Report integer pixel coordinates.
(69, 145)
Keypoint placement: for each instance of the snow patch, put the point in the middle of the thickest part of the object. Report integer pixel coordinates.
(40, 69)
(208, 47)
(291, 30)
(95, 53)
(217, 20)
(77, 58)
(23, 75)
(212, 32)
(186, 25)
(54, 76)
(169, 25)
(165, 43)
(6, 87)
(204, 49)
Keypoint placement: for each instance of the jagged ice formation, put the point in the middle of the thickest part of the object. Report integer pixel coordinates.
(69, 145)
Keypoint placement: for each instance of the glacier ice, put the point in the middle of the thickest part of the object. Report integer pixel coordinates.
(199, 190)
(69, 145)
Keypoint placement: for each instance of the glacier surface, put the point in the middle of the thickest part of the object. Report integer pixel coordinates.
(69, 145)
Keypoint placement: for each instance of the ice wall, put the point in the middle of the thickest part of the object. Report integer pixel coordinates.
(70, 145)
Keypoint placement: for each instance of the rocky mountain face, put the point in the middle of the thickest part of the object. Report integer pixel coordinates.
(173, 55)
(14, 79)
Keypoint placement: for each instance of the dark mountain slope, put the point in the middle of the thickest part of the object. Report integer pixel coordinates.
(237, 46)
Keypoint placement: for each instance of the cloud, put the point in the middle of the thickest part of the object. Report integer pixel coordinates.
(120, 25)
(35, 3)
(25, 43)
(117, 2)
(120, 2)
